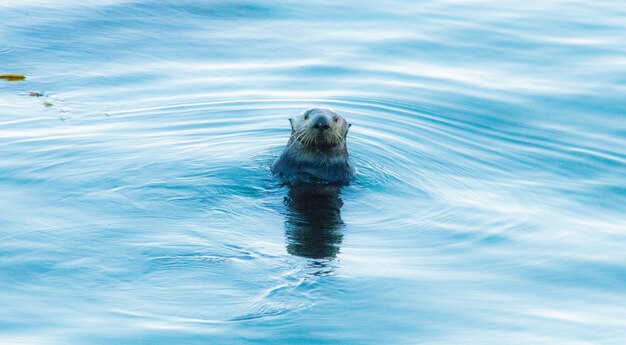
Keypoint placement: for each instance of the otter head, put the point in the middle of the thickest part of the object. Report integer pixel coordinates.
(319, 128)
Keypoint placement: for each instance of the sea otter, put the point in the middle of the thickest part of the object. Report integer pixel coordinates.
(316, 151)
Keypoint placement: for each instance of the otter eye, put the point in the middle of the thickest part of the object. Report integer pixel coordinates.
(335, 119)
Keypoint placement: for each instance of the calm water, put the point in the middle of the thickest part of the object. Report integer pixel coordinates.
(138, 208)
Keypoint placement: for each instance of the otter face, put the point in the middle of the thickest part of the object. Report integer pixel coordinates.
(320, 128)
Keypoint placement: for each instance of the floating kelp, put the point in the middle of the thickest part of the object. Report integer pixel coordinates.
(12, 77)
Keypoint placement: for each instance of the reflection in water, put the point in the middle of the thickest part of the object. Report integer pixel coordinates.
(313, 225)
(139, 208)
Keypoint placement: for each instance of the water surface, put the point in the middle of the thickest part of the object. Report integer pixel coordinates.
(138, 208)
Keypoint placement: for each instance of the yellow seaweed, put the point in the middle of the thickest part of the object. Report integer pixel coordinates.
(12, 77)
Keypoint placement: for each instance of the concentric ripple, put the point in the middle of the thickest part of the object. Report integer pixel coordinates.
(138, 204)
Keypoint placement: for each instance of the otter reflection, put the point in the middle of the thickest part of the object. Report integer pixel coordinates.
(313, 225)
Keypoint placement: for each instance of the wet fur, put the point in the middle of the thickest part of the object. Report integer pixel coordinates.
(314, 158)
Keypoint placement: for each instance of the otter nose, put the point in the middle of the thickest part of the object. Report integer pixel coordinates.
(320, 126)
(322, 123)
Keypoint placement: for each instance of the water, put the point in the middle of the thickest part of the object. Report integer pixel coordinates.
(138, 206)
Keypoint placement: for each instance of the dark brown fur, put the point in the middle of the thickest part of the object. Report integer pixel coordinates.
(316, 151)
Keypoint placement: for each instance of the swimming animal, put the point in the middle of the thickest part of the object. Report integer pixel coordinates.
(316, 151)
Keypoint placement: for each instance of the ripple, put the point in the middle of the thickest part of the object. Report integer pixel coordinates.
(488, 141)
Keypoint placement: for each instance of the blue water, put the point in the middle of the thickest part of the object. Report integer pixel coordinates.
(137, 207)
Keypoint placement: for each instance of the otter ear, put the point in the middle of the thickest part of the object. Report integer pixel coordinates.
(345, 133)
(291, 124)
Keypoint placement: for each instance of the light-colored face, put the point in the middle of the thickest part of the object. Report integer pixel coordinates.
(318, 127)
